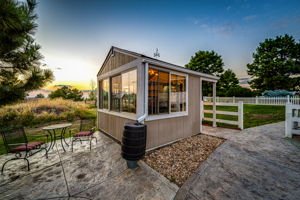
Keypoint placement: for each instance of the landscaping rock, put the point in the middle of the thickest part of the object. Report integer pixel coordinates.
(179, 160)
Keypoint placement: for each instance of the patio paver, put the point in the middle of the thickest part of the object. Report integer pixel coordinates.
(97, 174)
(256, 163)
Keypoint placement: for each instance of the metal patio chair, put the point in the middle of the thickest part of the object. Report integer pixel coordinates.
(15, 141)
(86, 131)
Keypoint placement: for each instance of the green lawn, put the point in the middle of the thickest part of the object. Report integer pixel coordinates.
(254, 115)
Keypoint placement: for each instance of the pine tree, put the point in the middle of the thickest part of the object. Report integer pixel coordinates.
(20, 69)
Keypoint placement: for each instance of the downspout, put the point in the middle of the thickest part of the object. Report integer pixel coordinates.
(142, 118)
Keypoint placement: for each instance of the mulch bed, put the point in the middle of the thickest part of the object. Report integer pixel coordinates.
(179, 160)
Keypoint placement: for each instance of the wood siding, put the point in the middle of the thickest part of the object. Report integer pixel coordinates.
(116, 61)
(163, 131)
(112, 125)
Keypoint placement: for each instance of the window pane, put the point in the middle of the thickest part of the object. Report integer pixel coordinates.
(129, 91)
(100, 101)
(178, 93)
(174, 107)
(163, 95)
(182, 92)
(158, 92)
(103, 94)
(152, 91)
(116, 93)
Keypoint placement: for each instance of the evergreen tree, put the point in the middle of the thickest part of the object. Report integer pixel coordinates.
(276, 64)
(208, 62)
(19, 54)
(227, 80)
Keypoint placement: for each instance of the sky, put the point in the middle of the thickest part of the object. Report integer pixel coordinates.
(76, 35)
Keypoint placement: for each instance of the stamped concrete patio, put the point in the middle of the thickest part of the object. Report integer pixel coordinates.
(256, 163)
(97, 174)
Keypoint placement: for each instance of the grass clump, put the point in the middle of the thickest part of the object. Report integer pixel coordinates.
(42, 111)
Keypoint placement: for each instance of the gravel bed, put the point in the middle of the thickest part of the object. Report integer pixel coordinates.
(179, 160)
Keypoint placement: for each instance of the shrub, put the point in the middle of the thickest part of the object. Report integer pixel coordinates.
(41, 111)
(39, 96)
(67, 93)
(239, 91)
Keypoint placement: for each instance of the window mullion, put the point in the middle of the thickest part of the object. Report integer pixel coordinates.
(170, 78)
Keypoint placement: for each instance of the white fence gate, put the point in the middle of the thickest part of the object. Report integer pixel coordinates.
(240, 113)
(256, 100)
(292, 119)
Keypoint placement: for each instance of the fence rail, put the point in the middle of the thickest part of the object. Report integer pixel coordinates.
(239, 113)
(256, 100)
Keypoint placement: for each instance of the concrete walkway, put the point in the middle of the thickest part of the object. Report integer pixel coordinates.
(255, 163)
(97, 174)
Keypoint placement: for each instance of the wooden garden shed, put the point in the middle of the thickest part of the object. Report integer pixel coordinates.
(164, 96)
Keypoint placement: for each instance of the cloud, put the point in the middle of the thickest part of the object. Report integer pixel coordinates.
(281, 23)
(297, 19)
(287, 21)
(228, 8)
(204, 26)
(224, 29)
(249, 17)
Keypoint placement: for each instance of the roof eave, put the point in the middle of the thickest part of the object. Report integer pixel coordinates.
(181, 69)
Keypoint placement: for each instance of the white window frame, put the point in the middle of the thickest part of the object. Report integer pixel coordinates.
(104, 109)
(171, 114)
(126, 115)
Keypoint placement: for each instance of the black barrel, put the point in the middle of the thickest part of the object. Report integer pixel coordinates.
(134, 141)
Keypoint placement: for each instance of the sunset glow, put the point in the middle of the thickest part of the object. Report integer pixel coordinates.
(76, 36)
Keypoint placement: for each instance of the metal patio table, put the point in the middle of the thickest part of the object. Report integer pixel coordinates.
(52, 131)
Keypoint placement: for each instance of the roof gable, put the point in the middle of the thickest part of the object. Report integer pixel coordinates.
(116, 58)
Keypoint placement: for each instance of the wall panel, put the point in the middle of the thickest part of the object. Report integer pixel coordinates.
(163, 131)
(116, 61)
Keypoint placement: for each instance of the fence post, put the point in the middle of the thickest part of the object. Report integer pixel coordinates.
(288, 120)
(288, 98)
(241, 114)
(214, 105)
(256, 100)
(233, 99)
(201, 114)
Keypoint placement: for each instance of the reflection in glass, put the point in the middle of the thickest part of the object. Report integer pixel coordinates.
(296, 125)
(129, 86)
(158, 92)
(115, 93)
(178, 93)
(103, 93)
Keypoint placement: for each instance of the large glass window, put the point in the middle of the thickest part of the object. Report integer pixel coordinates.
(163, 99)
(178, 93)
(158, 92)
(115, 103)
(129, 85)
(123, 89)
(103, 93)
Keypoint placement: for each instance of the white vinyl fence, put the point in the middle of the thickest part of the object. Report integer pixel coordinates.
(292, 120)
(256, 100)
(240, 113)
